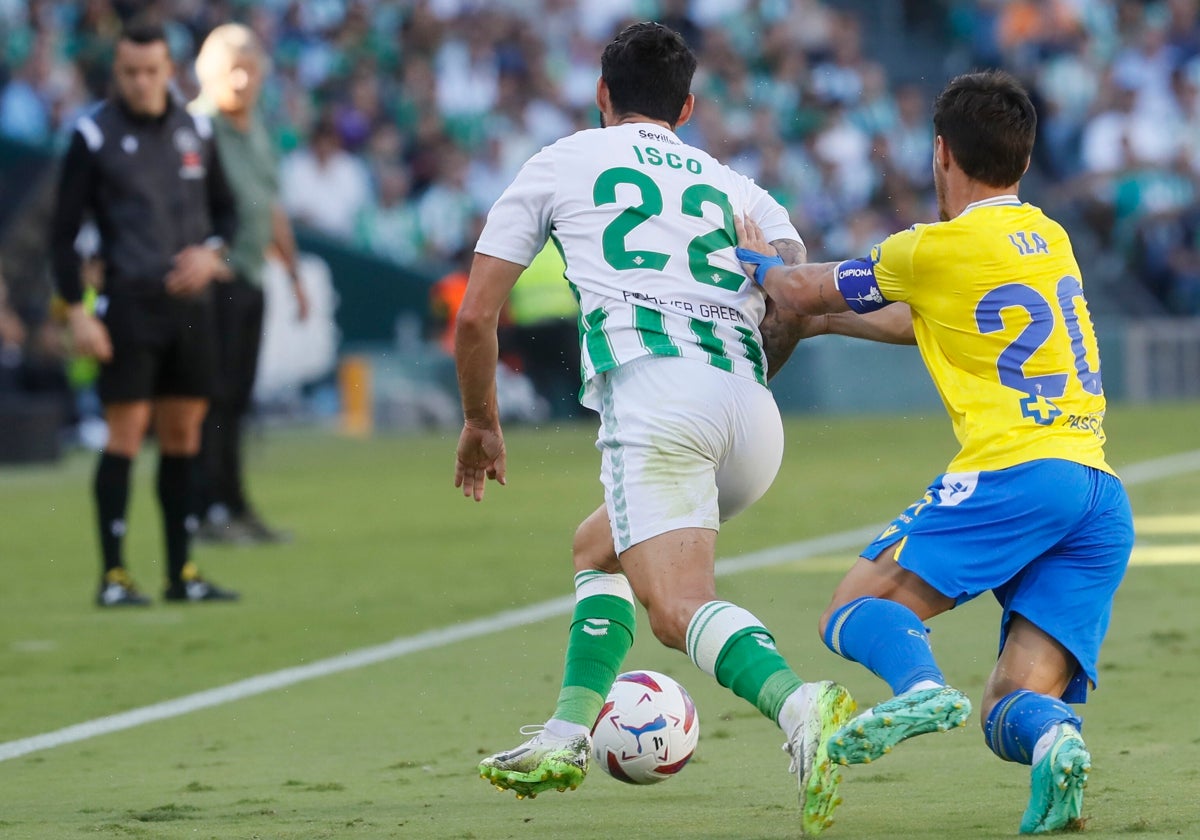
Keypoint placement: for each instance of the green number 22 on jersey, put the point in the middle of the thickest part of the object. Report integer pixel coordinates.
(693, 200)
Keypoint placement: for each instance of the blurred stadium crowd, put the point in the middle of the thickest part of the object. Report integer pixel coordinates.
(400, 122)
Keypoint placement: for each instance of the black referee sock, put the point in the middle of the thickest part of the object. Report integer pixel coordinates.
(176, 481)
(111, 489)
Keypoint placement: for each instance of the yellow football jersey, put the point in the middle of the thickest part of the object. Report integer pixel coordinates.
(1002, 324)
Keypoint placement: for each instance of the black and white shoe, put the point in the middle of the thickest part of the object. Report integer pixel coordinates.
(192, 587)
(117, 589)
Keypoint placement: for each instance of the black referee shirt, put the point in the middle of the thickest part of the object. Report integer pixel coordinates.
(153, 185)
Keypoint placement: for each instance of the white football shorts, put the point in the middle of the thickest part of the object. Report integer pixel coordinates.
(683, 445)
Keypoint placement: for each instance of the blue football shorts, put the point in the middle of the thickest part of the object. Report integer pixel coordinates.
(1050, 539)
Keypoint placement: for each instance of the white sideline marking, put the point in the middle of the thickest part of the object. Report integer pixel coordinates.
(1141, 473)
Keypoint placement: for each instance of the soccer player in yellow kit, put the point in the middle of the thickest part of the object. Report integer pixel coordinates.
(1028, 509)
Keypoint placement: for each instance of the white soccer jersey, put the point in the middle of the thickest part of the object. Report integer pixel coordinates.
(645, 226)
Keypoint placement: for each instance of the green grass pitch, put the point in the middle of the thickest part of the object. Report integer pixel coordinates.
(386, 548)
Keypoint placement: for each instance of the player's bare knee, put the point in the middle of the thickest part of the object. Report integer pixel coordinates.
(985, 711)
(669, 624)
(998, 686)
(179, 440)
(592, 549)
(125, 435)
(123, 444)
(841, 598)
(823, 621)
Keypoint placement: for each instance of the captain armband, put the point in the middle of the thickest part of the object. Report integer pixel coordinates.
(856, 281)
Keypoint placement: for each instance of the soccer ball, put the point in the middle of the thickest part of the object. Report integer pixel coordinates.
(647, 730)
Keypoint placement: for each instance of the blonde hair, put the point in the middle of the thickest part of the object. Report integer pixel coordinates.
(222, 47)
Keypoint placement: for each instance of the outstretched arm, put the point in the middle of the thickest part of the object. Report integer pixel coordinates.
(891, 325)
(481, 445)
(804, 300)
(782, 329)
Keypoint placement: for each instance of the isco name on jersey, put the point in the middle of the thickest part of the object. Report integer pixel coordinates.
(645, 226)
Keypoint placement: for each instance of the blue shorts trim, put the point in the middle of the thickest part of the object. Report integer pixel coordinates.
(1050, 539)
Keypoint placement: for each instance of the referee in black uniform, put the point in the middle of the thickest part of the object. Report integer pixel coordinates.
(147, 173)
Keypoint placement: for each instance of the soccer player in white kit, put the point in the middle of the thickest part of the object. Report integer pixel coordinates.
(673, 360)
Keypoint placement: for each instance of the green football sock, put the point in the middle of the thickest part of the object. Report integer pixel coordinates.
(732, 645)
(600, 637)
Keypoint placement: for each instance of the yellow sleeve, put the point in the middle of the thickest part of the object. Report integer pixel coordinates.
(893, 263)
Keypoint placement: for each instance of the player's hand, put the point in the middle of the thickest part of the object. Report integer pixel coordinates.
(89, 335)
(195, 267)
(480, 456)
(750, 236)
(753, 251)
(751, 239)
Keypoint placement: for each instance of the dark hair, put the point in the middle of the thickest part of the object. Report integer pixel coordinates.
(648, 69)
(988, 123)
(143, 31)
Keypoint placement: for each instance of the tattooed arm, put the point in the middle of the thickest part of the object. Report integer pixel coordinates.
(790, 251)
(782, 331)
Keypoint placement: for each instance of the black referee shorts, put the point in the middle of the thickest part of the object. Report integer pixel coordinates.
(163, 346)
